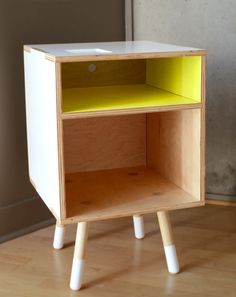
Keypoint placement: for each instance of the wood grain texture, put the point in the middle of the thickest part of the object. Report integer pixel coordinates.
(177, 153)
(113, 57)
(153, 140)
(122, 192)
(104, 143)
(81, 240)
(77, 75)
(129, 111)
(119, 266)
(165, 227)
(60, 142)
(203, 130)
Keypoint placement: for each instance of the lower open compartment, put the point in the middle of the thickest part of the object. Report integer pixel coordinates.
(133, 164)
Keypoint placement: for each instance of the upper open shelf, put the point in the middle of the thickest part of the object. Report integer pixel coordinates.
(77, 100)
(130, 86)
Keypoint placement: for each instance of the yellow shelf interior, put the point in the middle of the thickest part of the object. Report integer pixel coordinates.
(131, 84)
(121, 192)
(119, 97)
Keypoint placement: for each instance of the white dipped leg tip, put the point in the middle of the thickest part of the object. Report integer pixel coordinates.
(138, 227)
(59, 236)
(171, 259)
(77, 274)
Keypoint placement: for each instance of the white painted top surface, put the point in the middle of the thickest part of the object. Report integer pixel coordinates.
(109, 48)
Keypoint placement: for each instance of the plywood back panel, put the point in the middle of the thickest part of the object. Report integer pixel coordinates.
(77, 75)
(153, 135)
(104, 143)
(177, 153)
(181, 75)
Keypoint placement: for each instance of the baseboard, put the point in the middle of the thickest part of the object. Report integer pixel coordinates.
(223, 200)
(219, 202)
(27, 230)
(23, 217)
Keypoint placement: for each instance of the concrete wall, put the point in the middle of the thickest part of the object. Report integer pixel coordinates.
(209, 24)
(27, 22)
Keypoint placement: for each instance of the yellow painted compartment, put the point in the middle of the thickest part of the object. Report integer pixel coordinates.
(181, 75)
(119, 97)
(169, 82)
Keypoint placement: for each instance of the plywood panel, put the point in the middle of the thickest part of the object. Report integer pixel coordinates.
(178, 151)
(77, 75)
(42, 135)
(121, 192)
(180, 75)
(153, 139)
(113, 51)
(104, 143)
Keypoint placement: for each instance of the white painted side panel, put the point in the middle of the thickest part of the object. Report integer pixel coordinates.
(41, 113)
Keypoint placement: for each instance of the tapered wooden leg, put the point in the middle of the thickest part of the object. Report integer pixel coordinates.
(138, 226)
(168, 242)
(79, 256)
(59, 236)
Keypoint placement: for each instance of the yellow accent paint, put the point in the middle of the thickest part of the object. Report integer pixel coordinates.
(181, 75)
(119, 97)
(169, 82)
